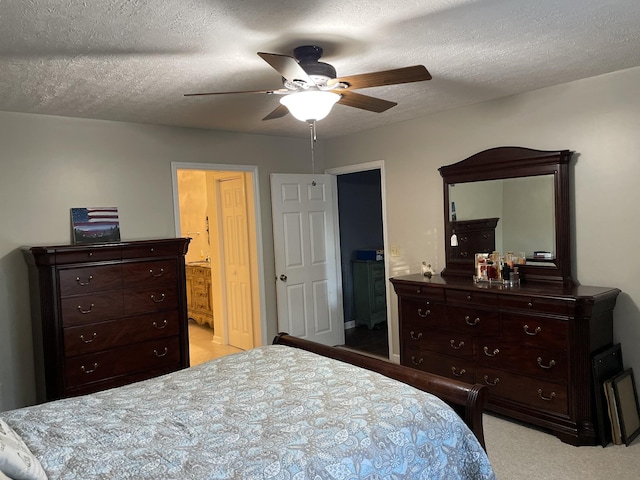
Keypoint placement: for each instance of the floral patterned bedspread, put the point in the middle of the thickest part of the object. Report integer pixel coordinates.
(273, 412)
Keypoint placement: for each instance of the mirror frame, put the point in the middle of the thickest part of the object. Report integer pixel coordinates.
(511, 162)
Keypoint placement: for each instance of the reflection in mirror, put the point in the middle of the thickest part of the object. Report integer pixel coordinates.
(524, 205)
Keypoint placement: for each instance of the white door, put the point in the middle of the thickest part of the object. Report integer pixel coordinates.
(237, 268)
(305, 235)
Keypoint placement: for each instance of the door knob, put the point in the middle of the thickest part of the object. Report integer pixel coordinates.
(283, 277)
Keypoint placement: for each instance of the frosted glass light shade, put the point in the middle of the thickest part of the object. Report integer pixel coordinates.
(310, 106)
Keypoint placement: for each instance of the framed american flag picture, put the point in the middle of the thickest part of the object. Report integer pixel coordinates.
(95, 225)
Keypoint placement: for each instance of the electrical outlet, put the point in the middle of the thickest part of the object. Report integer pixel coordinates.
(395, 251)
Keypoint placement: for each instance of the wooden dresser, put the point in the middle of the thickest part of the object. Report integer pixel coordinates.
(105, 315)
(369, 291)
(473, 236)
(530, 344)
(199, 295)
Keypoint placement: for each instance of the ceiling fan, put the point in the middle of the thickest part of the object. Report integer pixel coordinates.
(307, 81)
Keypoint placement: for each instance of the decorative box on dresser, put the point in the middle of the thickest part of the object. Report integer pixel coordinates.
(531, 345)
(105, 315)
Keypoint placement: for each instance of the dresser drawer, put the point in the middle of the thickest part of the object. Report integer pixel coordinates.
(84, 339)
(533, 392)
(160, 298)
(474, 321)
(86, 255)
(454, 343)
(146, 274)
(424, 312)
(91, 308)
(451, 367)
(120, 361)
(472, 297)
(537, 304)
(548, 333)
(420, 291)
(74, 281)
(544, 364)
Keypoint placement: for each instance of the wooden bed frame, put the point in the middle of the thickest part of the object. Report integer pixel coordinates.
(466, 399)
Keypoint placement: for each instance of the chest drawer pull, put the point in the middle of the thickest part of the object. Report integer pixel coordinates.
(83, 311)
(489, 382)
(425, 314)
(457, 373)
(470, 322)
(490, 354)
(164, 324)
(83, 284)
(546, 398)
(157, 300)
(158, 354)
(551, 363)
(87, 370)
(159, 274)
(454, 346)
(535, 332)
(416, 362)
(414, 336)
(88, 340)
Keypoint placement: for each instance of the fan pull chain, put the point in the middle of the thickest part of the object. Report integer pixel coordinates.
(314, 139)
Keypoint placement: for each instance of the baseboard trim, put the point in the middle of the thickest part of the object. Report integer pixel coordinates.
(350, 324)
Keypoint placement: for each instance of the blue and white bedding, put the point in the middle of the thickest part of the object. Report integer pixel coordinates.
(273, 412)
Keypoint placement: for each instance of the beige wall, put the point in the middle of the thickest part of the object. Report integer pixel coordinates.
(598, 118)
(50, 164)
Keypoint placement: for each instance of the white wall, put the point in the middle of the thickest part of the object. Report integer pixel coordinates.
(50, 164)
(598, 118)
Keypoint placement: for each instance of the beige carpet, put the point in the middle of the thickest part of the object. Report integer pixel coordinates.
(518, 452)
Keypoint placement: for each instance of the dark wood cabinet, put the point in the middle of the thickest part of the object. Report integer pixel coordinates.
(472, 236)
(105, 315)
(531, 345)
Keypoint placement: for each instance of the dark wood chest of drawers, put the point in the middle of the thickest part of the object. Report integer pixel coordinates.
(531, 345)
(105, 315)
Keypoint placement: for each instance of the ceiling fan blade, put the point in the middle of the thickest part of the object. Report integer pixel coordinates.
(416, 73)
(279, 112)
(287, 66)
(269, 92)
(364, 102)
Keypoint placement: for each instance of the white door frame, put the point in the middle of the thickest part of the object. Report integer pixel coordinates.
(363, 167)
(253, 169)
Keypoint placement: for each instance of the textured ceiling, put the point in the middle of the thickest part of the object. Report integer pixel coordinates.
(133, 60)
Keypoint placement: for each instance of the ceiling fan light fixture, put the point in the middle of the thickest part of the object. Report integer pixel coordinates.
(311, 105)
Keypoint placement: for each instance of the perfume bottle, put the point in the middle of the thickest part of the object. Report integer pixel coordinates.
(453, 212)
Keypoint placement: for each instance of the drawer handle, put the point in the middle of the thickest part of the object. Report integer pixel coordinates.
(549, 398)
(425, 314)
(457, 373)
(530, 304)
(160, 327)
(471, 323)
(551, 363)
(491, 354)
(464, 254)
(83, 284)
(158, 354)
(159, 274)
(490, 383)
(86, 370)
(88, 340)
(84, 312)
(535, 332)
(415, 337)
(157, 300)
(453, 344)
(419, 362)
(468, 298)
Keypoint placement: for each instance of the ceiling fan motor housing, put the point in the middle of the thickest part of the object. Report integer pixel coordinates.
(308, 56)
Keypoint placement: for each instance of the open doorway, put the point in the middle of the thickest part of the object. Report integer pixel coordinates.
(362, 240)
(217, 209)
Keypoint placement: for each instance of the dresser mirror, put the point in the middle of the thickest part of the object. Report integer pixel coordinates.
(527, 191)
